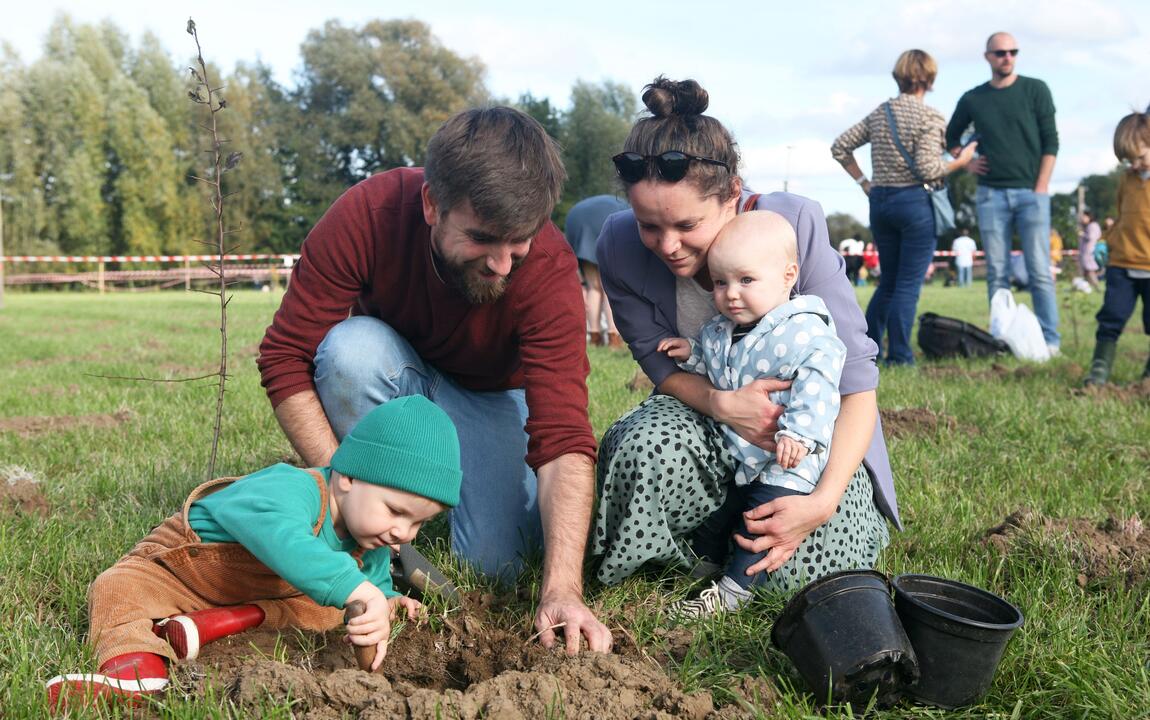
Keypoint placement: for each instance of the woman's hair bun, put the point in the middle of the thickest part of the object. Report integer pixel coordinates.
(665, 97)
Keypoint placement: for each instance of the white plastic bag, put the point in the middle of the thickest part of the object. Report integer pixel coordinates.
(1018, 327)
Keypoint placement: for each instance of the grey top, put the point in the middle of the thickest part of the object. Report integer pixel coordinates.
(584, 221)
(641, 289)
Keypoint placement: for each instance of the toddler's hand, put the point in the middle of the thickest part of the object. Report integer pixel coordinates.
(412, 607)
(789, 452)
(373, 627)
(676, 348)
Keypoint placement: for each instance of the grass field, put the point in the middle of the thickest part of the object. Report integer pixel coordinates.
(975, 442)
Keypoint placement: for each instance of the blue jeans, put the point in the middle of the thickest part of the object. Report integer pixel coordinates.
(749, 497)
(964, 275)
(902, 222)
(1001, 211)
(1122, 293)
(363, 363)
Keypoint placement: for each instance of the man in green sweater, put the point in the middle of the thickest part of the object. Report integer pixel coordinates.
(284, 547)
(1017, 143)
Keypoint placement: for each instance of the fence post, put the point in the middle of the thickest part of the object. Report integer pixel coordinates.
(100, 276)
(187, 273)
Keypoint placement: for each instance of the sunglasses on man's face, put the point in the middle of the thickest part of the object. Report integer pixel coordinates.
(1003, 53)
(671, 166)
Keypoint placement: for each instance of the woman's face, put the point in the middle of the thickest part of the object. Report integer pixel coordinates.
(679, 225)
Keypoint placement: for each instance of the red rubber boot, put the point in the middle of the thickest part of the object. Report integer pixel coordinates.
(126, 679)
(189, 632)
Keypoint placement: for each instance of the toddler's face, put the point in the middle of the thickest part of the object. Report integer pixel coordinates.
(376, 516)
(750, 278)
(1141, 161)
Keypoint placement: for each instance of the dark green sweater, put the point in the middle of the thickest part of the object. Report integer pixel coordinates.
(1016, 128)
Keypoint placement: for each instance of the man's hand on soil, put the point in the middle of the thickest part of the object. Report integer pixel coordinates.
(577, 622)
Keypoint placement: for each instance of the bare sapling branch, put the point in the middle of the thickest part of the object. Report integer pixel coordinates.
(207, 95)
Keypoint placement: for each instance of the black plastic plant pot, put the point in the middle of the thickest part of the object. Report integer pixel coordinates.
(959, 633)
(844, 637)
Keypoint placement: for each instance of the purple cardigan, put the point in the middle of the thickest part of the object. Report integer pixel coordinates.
(641, 290)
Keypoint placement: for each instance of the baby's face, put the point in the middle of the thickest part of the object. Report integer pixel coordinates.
(751, 278)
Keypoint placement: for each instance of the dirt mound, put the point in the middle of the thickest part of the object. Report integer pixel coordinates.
(904, 422)
(459, 667)
(1113, 552)
(27, 427)
(20, 492)
(1122, 393)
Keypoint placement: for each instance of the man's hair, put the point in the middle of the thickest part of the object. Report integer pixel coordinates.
(500, 160)
(914, 70)
(1132, 136)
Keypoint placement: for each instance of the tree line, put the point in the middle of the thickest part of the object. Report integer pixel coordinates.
(99, 142)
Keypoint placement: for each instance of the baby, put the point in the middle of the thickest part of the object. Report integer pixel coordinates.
(763, 332)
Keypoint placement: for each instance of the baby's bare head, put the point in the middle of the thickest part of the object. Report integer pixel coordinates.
(756, 239)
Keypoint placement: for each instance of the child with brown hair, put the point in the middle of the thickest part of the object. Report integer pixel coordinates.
(1125, 248)
(282, 547)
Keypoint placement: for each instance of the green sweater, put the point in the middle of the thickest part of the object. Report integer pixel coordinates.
(1016, 128)
(272, 513)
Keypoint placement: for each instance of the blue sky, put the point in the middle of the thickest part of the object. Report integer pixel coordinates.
(786, 81)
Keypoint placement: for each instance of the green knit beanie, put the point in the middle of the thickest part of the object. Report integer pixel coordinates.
(407, 443)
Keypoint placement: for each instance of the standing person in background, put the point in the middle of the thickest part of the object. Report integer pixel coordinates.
(1087, 241)
(1125, 248)
(584, 221)
(964, 248)
(1014, 118)
(901, 214)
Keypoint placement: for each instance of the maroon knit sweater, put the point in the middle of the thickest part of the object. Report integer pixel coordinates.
(370, 255)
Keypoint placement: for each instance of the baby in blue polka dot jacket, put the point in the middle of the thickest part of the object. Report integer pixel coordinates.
(763, 332)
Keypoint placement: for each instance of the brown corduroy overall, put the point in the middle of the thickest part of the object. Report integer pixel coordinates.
(172, 571)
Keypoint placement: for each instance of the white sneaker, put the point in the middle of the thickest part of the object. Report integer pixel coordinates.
(1054, 350)
(706, 605)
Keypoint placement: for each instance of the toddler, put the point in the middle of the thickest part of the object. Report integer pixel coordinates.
(1125, 248)
(283, 547)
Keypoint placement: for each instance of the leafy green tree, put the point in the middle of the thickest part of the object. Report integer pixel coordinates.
(593, 130)
(543, 111)
(377, 93)
(841, 226)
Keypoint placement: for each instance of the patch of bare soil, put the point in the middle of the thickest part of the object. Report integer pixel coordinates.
(27, 427)
(466, 666)
(1115, 552)
(1139, 391)
(905, 422)
(1068, 372)
(20, 493)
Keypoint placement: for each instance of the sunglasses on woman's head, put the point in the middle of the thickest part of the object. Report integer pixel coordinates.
(671, 166)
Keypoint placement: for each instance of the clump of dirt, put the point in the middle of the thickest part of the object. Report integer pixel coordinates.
(464, 666)
(903, 422)
(20, 492)
(27, 427)
(1111, 391)
(1113, 552)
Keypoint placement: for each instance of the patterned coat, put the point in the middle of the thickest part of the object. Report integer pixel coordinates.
(796, 341)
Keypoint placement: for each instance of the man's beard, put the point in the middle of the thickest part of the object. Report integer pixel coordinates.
(470, 282)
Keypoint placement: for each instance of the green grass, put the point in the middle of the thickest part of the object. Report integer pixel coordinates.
(1020, 439)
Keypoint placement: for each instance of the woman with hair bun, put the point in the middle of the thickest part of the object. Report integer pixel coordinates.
(664, 475)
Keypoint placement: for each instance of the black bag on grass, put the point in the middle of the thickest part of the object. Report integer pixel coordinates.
(943, 337)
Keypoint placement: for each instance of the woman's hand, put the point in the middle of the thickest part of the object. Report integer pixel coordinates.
(750, 412)
(781, 526)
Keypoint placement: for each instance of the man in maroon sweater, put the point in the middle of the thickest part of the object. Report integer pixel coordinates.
(459, 289)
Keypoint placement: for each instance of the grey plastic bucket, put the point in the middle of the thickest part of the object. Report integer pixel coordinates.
(843, 635)
(959, 633)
